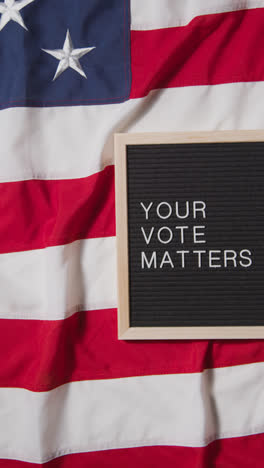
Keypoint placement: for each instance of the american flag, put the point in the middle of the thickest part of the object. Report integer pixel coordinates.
(72, 74)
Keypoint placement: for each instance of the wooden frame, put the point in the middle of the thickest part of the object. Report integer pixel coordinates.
(125, 331)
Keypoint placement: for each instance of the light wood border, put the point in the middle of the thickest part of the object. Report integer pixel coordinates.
(125, 332)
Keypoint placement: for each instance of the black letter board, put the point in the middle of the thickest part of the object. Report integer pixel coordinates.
(190, 221)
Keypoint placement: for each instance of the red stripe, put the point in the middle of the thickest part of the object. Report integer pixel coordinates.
(40, 355)
(40, 213)
(243, 452)
(212, 49)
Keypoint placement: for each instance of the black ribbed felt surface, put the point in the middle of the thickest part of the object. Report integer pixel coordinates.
(229, 179)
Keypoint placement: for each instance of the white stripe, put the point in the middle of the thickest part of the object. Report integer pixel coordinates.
(157, 14)
(68, 143)
(233, 106)
(55, 282)
(183, 409)
(56, 143)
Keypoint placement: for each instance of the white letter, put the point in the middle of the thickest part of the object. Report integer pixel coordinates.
(166, 259)
(232, 257)
(246, 258)
(170, 210)
(170, 235)
(182, 253)
(182, 233)
(147, 239)
(148, 263)
(187, 210)
(199, 252)
(146, 209)
(196, 234)
(211, 258)
(202, 208)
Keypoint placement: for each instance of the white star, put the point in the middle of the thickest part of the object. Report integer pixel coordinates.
(10, 12)
(68, 57)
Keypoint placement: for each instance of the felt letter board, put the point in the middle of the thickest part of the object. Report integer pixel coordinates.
(190, 221)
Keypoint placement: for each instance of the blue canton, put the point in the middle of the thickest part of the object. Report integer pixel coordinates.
(64, 52)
